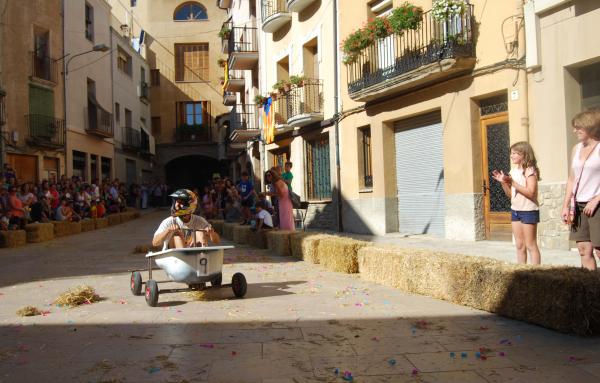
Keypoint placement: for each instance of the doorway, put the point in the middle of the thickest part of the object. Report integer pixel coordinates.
(495, 156)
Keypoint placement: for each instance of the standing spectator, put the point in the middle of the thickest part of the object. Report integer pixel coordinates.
(286, 217)
(9, 174)
(287, 176)
(157, 194)
(580, 206)
(17, 212)
(144, 195)
(246, 189)
(521, 186)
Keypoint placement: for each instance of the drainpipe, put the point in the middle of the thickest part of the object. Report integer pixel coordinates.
(3, 93)
(523, 83)
(64, 62)
(336, 116)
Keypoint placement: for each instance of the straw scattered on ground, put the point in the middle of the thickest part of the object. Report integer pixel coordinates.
(28, 311)
(77, 296)
(199, 295)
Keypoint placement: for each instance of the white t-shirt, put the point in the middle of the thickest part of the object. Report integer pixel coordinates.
(266, 217)
(518, 201)
(195, 223)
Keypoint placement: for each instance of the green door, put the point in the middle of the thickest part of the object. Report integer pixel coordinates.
(41, 113)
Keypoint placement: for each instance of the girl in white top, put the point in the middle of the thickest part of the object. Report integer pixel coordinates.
(584, 183)
(521, 186)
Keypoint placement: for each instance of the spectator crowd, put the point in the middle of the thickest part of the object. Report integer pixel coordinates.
(70, 199)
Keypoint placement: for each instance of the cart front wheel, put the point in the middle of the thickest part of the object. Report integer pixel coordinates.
(151, 293)
(239, 285)
(217, 281)
(136, 283)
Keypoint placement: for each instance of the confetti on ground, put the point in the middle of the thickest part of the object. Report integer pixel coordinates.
(348, 376)
(415, 371)
(207, 345)
(154, 370)
(463, 355)
(452, 355)
(501, 353)
(392, 362)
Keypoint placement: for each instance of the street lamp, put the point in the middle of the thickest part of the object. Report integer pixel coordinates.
(95, 48)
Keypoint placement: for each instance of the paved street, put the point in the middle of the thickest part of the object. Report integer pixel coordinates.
(298, 323)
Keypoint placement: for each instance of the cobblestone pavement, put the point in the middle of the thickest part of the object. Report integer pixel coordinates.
(298, 323)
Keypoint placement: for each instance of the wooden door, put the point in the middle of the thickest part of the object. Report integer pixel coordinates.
(495, 156)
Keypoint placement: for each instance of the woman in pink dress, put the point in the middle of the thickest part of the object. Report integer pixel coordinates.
(286, 216)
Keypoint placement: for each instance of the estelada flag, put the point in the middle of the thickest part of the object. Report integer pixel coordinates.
(268, 121)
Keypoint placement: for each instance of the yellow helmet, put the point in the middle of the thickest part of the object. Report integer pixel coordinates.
(184, 202)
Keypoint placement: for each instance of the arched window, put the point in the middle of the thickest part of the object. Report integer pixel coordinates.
(190, 11)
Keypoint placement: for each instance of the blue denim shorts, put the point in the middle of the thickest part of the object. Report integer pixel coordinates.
(529, 217)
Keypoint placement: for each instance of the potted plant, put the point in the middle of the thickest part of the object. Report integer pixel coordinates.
(442, 10)
(405, 17)
(224, 32)
(221, 62)
(274, 95)
(279, 86)
(297, 80)
(259, 100)
(379, 28)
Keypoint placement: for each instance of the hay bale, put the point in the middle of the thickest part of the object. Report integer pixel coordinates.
(100, 223)
(28, 311)
(13, 238)
(77, 296)
(340, 253)
(144, 249)
(127, 216)
(241, 233)
(39, 232)
(73, 228)
(114, 219)
(228, 230)
(258, 239)
(303, 245)
(278, 241)
(61, 228)
(136, 214)
(87, 225)
(217, 224)
(561, 298)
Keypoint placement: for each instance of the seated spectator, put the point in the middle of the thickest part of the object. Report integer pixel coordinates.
(63, 212)
(262, 197)
(264, 221)
(40, 210)
(17, 212)
(101, 209)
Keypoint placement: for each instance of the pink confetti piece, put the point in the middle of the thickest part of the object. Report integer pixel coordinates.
(375, 339)
(415, 371)
(501, 353)
(207, 345)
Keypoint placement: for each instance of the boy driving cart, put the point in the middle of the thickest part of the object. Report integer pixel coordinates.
(183, 228)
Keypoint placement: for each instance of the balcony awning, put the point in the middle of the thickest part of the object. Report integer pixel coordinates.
(93, 101)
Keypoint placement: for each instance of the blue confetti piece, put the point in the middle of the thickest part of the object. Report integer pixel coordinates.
(153, 370)
(463, 355)
(478, 355)
(452, 355)
(336, 371)
(392, 362)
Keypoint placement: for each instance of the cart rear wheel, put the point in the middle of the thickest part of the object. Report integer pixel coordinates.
(218, 280)
(151, 293)
(239, 285)
(136, 283)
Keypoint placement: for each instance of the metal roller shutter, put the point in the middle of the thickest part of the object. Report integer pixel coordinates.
(420, 174)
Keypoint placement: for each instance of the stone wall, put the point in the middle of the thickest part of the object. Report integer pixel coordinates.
(552, 232)
(322, 215)
(370, 215)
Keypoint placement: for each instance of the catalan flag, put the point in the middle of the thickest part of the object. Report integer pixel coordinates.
(268, 121)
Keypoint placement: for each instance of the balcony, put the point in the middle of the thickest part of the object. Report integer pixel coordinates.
(243, 123)
(235, 81)
(274, 15)
(298, 5)
(224, 4)
(132, 139)
(225, 33)
(280, 107)
(98, 122)
(243, 48)
(434, 52)
(44, 69)
(229, 98)
(144, 142)
(144, 92)
(305, 103)
(45, 131)
(192, 133)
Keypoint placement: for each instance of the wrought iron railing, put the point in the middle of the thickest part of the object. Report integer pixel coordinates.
(131, 138)
(44, 67)
(306, 99)
(397, 54)
(144, 91)
(244, 117)
(272, 7)
(280, 107)
(45, 130)
(144, 142)
(99, 121)
(234, 74)
(242, 40)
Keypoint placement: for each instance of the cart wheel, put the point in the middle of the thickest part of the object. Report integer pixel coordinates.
(151, 293)
(136, 283)
(239, 285)
(217, 281)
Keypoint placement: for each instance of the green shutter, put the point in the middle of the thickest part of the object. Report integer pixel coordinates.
(41, 101)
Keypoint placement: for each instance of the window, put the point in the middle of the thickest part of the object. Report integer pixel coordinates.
(128, 118)
(193, 121)
(192, 113)
(105, 165)
(124, 62)
(117, 112)
(142, 74)
(191, 62)
(79, 164)
(590, 86)
(154, 77)
(132, 3)
(89, 22)
(94, 168)
(190, 11)
(364, 158)
(317, 169)
(156, 126)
